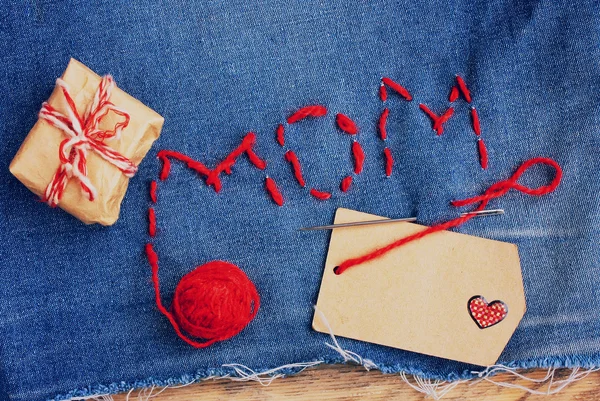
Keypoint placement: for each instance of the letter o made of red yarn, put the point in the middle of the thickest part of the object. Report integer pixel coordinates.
(344, 123)
(215, 301)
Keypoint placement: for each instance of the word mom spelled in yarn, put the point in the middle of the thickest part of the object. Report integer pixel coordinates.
(345, 124)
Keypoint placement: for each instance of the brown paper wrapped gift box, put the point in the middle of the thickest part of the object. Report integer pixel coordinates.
(38, 158)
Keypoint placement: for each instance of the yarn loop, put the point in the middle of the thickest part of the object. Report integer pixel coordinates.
(495, 191)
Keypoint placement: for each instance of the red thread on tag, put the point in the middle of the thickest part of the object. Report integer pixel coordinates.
(213, 302)
(320, 195)
(359, 157)
(346, 183)
(389, 161)
(463, 88)
(382, 92)
(453, 97)
(280, 135)
(346, 124)
(486, 314)
(291, 157)
(151, 222)
(153, 196)
(273, 191)
(495, 191)
(483, 156)
(396, 87)
(307, 111)
(383, 123)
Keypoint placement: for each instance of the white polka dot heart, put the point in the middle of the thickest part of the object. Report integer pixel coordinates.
(486, 314)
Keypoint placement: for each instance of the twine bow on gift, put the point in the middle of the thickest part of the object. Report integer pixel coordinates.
(84, 134)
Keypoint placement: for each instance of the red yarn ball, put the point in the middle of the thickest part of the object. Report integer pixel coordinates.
(213, 302)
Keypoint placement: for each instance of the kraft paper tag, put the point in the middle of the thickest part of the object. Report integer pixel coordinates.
(426, 296)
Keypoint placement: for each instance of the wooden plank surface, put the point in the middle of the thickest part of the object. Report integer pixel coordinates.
(344, 382)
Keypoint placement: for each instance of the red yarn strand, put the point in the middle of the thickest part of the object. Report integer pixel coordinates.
(255, 160)
(165, 155)
(383, 123)
(346, 124)
(166, 166)
(346, 183)
(212, 176)
(453, 97)
(280, 135)
(438, 121)
(307, 111)
(475, 120)
(495, 191)
(382, 92)
(213, 302)
(291, 157)
(320, 195)
(483, 155)
(273, 191)
(359, 157)
(439, 124)
(396, 87)
(151, 222)
(389, 161)
(153, 195)
(434, 117)
(226, 165)
(463, 88)
(153, 261)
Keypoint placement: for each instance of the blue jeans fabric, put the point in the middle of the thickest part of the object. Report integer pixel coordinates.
(77, 312)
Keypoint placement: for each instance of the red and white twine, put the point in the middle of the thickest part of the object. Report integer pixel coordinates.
(83, 134)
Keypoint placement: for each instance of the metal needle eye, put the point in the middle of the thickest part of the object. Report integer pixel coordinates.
(484, 213)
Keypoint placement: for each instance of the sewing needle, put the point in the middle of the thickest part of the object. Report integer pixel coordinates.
(358, 223)
(481, 213)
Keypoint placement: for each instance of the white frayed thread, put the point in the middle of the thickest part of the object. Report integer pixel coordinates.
(145, 394)
(435, 389)
(266, 377)
(346, 354)
(554, 386)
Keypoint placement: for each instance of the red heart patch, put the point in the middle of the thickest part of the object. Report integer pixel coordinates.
(486, 314)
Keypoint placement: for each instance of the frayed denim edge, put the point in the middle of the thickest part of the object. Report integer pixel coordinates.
(121, 387)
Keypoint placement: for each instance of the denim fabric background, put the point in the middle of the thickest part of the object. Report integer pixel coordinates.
(76, 303)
